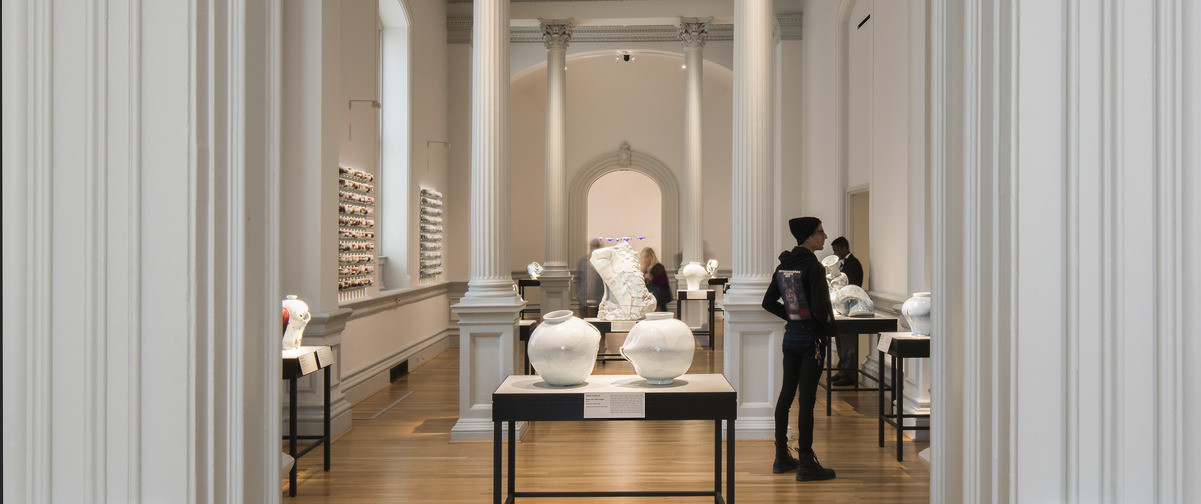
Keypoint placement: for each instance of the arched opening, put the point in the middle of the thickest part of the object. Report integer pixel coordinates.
(626, 203)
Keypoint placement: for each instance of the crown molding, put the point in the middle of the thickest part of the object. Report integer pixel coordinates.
(790, 26)
(458, 31)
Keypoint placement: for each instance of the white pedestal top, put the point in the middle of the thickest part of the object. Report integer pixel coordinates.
(688, 383)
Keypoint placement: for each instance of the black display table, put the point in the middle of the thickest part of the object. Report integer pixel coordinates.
(854, 325)
(899, 346)
(296, 363)
(525, 328)
(607, 327)
(614, 397)
(699, 295)
(522, 283)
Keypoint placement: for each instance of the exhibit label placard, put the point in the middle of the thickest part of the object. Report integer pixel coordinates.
(885, 342)
(614, 405)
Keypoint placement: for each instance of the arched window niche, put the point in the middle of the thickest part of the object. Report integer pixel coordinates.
(396, 196)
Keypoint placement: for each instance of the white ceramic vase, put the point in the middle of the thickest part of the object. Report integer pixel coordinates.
(563, 348)
(660, 348)
(917, 312)
(711, 267)
(694, 273)
(298, 318)
(534, 269)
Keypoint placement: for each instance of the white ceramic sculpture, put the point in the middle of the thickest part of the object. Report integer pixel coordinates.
(831, 264)
(694, 273)
(917, 313)
(563, 348)
(660, 348)
(298, 318)
(835, 278)
(626, 297)
(711, 267)
(534, 269)
(853, 301)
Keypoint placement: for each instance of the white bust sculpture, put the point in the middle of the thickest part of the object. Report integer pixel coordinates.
(298, 318)
(534, 269)
(626, 297)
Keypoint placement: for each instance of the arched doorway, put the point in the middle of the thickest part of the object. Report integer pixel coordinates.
(626, 160)
(626, 203)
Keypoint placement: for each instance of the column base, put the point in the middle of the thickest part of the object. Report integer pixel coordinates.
(466, 430)
(752, 340)
(487, 354)
(556, 290)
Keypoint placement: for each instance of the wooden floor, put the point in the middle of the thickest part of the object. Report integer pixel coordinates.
(405, 454)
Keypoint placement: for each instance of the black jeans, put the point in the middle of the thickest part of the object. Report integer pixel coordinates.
(801, 372)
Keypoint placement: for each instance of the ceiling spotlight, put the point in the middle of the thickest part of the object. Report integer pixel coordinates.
(624, 57)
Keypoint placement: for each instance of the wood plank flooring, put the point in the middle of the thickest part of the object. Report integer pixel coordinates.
(405, 454)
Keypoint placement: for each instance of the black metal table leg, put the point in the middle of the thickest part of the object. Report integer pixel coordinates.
(898, 370)
(512, 457)
(292, 435)
(829, 382)
(326, 433)
(712, 331)
(496, 442)
(880, 394)
(730, 461)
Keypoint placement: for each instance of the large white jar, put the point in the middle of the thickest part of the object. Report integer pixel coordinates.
(298, 318)
(694, 274)
(660, 348)
(563, 348)
(917, 312)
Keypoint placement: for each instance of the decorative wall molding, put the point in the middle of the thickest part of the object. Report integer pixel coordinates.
(458, 31)
(611, 162)
(389, 300)
(790, 26)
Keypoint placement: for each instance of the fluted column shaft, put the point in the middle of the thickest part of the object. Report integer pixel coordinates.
(693, 33)
(490, 223)
(556, 35)
(752, 178)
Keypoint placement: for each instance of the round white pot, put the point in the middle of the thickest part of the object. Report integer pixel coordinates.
(563, 348)
(660, 348)
(694, 274)
(917, 312)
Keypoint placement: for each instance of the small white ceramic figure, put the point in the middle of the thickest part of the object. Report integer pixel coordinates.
(563, 348)
(853, 301)
(660, 348)
(534, 269)
(711, 267)
(694, 273)
(626, 297)
(298, 318)
(917, 313)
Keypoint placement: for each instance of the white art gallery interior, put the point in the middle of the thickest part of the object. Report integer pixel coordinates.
(172, 170)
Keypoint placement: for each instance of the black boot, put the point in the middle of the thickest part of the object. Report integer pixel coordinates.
(785, 462)
(811, 470)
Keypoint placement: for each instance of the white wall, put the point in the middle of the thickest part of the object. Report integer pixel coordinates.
(626, 203)
(608, 103)
(820, 188)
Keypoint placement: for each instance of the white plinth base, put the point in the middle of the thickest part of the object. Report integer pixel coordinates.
(475, 430)
(487, 354)
(752, 341)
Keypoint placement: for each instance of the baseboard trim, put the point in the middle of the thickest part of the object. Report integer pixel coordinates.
(361, 384)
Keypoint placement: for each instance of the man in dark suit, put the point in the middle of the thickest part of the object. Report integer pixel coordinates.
(848, 344)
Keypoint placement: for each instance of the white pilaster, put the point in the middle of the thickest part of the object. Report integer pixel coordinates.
(556, 278)
(753, 335)
(488, 312)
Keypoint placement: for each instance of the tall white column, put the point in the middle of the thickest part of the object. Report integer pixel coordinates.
(488, 311)
(556, 277)
(693, 33)
(752, 335)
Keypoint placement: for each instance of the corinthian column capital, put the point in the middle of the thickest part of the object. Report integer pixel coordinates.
(556, 33)
(694, 31)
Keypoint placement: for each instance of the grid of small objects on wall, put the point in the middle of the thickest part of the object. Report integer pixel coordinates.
(356, 233)
(431, 234)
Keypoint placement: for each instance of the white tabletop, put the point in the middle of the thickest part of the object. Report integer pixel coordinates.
(688, 383)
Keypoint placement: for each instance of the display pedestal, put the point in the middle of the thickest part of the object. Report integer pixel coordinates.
(300, 362)
(488, 352)
(699, 295)
(753, 363)
(324, 329)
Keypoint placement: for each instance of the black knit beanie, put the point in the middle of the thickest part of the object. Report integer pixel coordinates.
(803, 227)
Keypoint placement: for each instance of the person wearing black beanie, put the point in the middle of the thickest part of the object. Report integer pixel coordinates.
(798, 293)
